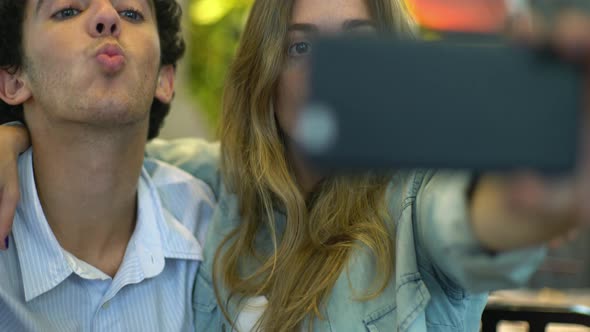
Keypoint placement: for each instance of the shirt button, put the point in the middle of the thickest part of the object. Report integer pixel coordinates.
(106, 305)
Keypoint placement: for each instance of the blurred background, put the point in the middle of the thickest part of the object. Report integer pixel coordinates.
(212, 30)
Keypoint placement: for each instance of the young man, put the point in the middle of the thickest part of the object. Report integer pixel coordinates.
(103, 240)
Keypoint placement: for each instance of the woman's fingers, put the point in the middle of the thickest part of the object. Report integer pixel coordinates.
(571, 35)
(567, 31)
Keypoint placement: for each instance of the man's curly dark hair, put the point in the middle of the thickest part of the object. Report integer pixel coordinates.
(12, 14)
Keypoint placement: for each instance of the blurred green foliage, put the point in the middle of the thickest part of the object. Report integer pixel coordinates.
(215, 27)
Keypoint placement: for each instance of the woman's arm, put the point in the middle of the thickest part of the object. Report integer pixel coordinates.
(513, 213)
(447, 241)
(508, 213)
(13, 141)
(493, 238)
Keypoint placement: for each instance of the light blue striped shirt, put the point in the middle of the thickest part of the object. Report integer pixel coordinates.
(42, 288)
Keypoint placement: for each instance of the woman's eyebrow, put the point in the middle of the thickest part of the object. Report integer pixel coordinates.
(355, 24)
(305, 27)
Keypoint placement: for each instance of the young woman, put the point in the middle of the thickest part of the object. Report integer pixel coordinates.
(290, 249)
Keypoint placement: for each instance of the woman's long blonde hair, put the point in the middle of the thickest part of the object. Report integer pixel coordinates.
(310, 252)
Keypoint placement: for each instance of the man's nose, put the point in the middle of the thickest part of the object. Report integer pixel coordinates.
(106, 21)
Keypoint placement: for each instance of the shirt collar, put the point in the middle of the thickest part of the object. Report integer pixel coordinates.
(43, 265)
(158, 235)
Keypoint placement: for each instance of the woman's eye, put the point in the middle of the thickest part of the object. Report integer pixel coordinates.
(66, 13)
(299, 49)
(132, 15)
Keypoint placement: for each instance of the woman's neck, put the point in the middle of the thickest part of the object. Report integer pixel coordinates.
(307, 179)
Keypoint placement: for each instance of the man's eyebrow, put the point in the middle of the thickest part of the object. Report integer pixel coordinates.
(355, 24)
(305, 27)
(150, 3)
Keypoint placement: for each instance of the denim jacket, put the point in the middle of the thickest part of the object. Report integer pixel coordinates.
(442, 274)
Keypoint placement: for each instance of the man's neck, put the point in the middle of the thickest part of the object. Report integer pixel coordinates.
(87, 184)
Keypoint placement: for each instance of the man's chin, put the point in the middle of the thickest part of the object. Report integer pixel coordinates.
(114, 118)
(111, 115)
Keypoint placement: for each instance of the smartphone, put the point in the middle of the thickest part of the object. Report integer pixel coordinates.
(470, 103)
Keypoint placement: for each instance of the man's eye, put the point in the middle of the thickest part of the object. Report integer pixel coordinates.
(299, 49)
(66, 13)
(132, 15)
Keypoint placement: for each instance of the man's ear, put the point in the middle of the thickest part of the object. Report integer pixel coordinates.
(13, 88)
(165, 87)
